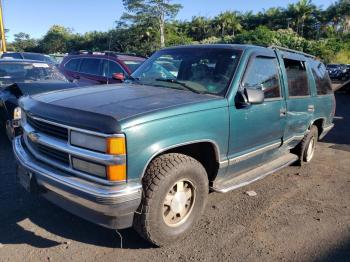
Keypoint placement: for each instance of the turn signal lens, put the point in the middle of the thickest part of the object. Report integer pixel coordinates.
(116, 146)
(116, 172)
(17, 113)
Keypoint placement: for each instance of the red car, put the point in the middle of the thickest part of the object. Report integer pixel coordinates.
(94, 68)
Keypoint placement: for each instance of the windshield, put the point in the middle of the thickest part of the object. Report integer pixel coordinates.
(11, 72)
(133, 65)
(200, 70)
(38, 57)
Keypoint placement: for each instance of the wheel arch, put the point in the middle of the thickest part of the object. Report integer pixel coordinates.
(192, 149)
(319, 123)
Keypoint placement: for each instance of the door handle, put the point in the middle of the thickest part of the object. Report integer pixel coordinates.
(283, 112)
(311, 108)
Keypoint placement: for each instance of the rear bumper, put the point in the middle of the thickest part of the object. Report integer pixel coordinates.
(109, 206)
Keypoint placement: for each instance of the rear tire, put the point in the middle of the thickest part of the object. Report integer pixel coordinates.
(175, 190)
(306, 148)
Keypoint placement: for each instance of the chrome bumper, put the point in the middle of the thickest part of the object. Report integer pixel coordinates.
(112, 206)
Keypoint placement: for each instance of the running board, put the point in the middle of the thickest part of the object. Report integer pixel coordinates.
(255, 174)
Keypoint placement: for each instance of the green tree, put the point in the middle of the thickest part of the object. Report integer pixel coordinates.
(56, 40)
(157, 10)
(200, 28)
(228, 22)
(23, 42)
(301, 12)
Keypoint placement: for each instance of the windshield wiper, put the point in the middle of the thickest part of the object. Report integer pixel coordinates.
(174, 81)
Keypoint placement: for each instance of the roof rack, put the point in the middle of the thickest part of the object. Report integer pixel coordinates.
(291, 51)
(108, 53)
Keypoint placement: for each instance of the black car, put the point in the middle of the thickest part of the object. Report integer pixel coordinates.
(338, 72)
(29, 56)
(25, 77)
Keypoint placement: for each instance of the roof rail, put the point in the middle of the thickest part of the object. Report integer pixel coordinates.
(107, 53)
(121, 53)
(291, 51)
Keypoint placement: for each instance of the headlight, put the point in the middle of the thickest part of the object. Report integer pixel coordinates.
(88, 141)
(17, 113)
(109, 145)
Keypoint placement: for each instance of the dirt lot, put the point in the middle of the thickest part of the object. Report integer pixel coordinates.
(299, 214)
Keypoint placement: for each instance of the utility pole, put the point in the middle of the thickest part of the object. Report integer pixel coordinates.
(2, 30)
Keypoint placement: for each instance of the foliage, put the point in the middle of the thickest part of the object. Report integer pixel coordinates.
(23, 42)
(151, 11)
(147, 25)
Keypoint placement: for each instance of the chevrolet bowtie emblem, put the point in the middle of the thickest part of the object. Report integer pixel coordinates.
(33, 136)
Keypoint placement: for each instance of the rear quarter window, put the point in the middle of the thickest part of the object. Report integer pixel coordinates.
(322, 80)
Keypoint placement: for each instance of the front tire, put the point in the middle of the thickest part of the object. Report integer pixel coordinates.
(175, 190)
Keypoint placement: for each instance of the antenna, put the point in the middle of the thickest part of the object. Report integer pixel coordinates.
(2, 29)
(108, 54)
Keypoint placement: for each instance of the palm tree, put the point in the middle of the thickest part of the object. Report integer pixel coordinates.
(228, 21)
(301, 11)
(199, 28)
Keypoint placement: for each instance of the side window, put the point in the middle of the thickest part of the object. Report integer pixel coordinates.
(90, 66)
(110, 68)
(322, 80)
(298, 84)
(72, 65)
(262, 73)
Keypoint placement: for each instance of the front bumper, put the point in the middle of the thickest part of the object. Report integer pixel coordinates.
(109, 206)
(13, 129)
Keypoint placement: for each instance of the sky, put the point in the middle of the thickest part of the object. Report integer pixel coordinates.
(35, 17)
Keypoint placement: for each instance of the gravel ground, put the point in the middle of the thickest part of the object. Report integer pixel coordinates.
(299, 214)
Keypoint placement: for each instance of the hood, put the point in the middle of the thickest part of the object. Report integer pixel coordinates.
(122, 101)
(109, 104)
(32, 88)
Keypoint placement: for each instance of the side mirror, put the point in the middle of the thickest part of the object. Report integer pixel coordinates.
(249, 96)
(254, 96)
(118, 76)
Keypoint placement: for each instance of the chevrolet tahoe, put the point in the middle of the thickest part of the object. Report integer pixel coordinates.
(146, 153)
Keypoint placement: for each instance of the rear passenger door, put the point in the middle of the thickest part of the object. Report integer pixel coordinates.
(90, 71)
(300, 106)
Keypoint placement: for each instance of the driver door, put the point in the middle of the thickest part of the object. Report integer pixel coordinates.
(257, 129)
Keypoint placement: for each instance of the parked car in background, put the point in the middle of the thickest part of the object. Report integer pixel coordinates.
(147, 152)
(57, 58)
(99, 68)
(28, 56)
(338, 71)
(25, 77)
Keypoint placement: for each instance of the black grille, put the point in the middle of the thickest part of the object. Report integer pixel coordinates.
(53, 130)
(50, 153)
(54, 154)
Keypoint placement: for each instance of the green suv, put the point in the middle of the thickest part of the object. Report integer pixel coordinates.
(189, 120)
